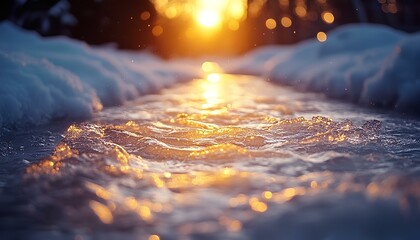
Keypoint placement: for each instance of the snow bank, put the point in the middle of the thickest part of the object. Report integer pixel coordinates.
(368, 64)
(46, 79)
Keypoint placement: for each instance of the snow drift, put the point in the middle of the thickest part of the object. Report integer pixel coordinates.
(368, 64)
(45, 79)
(42, 79)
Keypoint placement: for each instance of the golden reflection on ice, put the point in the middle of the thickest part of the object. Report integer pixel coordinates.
(214, 93)
(102, 211)
(267, 195)
(213, 145)
(232, 225)
(257, 205)
(211, 93)
(154, 237)
(214, 77)
(52, 164)
(99, 191)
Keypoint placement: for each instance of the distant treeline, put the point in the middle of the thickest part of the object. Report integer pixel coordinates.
(93, 21)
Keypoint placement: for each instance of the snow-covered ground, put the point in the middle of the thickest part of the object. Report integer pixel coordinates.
(55, 78)
(372, 65)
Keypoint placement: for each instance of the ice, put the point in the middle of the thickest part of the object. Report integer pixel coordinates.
(215, 166)
(46, 79)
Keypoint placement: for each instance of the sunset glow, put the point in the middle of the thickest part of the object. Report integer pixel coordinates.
(205, 13)
(209, 18)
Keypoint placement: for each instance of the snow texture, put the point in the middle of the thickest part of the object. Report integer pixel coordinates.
(372, 65)
(43, 79)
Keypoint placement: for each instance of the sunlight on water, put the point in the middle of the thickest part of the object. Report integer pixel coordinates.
(226, 156)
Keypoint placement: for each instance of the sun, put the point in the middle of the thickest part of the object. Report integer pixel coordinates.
(209, 18)
(205, 14)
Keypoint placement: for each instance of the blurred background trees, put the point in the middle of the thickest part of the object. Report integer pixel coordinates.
(95, 21)
(296, 20)
(174, 27)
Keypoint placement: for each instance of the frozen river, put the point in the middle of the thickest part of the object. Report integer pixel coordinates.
(227, 157)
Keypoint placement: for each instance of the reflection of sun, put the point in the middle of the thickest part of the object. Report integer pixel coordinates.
(214, 77)
(212, 91)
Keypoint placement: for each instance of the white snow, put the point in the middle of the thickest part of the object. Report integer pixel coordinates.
(368, 64)
(42, 79)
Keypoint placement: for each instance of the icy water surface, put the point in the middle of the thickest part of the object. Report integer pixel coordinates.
(227, 157)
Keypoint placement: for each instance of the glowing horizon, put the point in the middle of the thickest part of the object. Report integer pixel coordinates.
(209, 14)
(209, 18)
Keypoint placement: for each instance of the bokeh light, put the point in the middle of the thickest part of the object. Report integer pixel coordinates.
(271, 23)
(145, 15)
(157, 30)
(286, 22)
(300, 11)
(321, 36)
(328, 17)
(154, 237)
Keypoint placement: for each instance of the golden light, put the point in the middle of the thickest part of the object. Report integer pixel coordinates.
(205, 13)
(154, 237)
(234, 226)
(267, 195)
(255, 7)
(212, 87)
(321, 36)
(271, 23)
(209, 18)
(101, 211)
(300, 11)
(210, 67)
(145, 213)
(237, 10)
(233, 25)
(328, 17)
(171, 12)
(257, 206)
(286, 22)
(214, 93)
(211, 93)
(214, 77)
